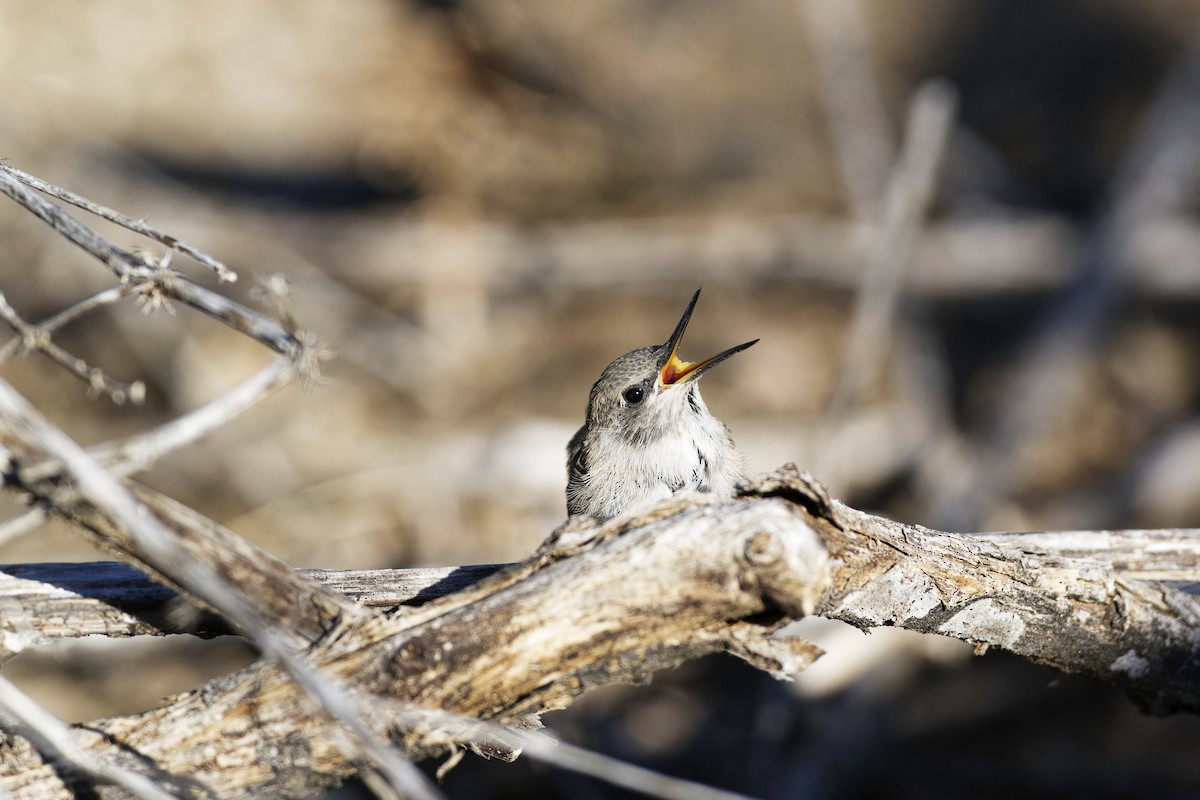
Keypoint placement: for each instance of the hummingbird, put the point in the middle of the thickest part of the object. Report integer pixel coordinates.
(648, 433)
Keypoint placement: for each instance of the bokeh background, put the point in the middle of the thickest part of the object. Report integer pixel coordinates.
(479, 205)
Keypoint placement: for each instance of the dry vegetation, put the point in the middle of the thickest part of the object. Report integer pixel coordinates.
(977, 310)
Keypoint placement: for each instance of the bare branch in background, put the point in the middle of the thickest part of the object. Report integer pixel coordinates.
(909, 193)
(19, 526)
(860, 135)
(224, 273)
(37, 338)
(1157, 176)
(47, 327)
(138, 452)
(132, 269)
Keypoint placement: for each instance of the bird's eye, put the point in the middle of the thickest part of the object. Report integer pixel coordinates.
(634, 395)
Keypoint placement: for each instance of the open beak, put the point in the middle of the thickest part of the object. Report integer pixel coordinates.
(672, 370)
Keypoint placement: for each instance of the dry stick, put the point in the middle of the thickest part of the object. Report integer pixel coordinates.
(909, 191)
(17, 527)
(390, 652)
(53, 739)
(110, 598)
(542, 632)
(32, 337)
(851, 99)
(862, 142)
(298, 607)
(152, 538)
(383, 342)
(130, 268)
(543, 746)
(128, 456)
(138, 452)
(224, 273)
(621, 773)
(67, 315)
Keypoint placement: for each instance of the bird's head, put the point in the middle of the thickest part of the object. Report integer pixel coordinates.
(650, 390)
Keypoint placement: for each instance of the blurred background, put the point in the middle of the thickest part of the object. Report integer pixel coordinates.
(479, 205)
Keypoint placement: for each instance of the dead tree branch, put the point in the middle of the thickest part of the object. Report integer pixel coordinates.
(223, 273)
(1079, 615)
(709, 577)
(134, 269)
(909, 191)
(528, 640)
(33, 337)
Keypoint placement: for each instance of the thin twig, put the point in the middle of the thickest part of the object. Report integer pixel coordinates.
(19, 526)
(132, 269)
(53, 740)
(68, 315)
(33, 337)
(224, 273)
(152, 538)
(139, 452)
(136, 453)
(547, 747)
(616, 772)
(853, 103)
(910, 189)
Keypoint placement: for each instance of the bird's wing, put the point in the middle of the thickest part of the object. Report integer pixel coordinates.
(577, 469)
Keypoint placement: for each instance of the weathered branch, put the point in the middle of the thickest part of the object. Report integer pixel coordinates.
(482, 650)
(53, 739)
(131, 268)
(302, 608)
(223, 272)
(1079, 615)
(73, 600)
(1165, 554)
(708, 577)
(43, 602)
(279, 609)
(517, 644)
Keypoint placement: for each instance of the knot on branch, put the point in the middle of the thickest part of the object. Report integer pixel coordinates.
(763, 550)
(787, 562)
